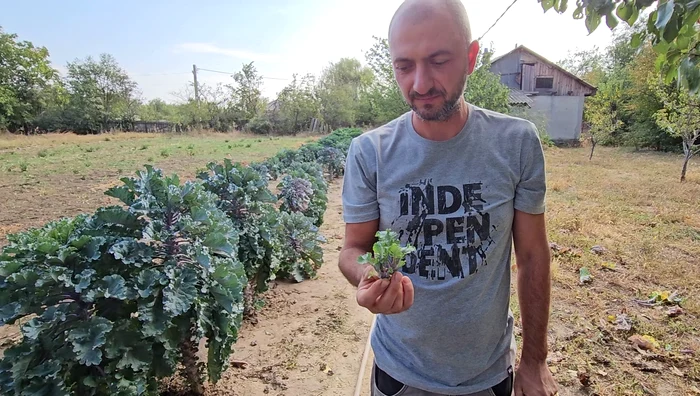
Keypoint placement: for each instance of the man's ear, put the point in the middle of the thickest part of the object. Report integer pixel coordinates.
(473, 55)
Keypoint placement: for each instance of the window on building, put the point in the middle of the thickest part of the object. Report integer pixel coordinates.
(544, 83)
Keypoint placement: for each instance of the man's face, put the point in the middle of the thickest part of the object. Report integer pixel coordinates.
(431, 63)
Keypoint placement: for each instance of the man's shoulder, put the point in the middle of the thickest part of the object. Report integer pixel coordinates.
(374, 136)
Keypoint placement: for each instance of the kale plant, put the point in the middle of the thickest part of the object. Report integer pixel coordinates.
(333, 160)
(319, 200)
(295, 193)
(244, 195)
(302, 254)
(122, 298)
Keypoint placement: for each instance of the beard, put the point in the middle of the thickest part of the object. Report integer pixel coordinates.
(449, 107)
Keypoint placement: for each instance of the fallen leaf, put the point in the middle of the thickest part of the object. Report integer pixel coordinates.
(609, 265)
(647, 343)
(584, 378)
(674, 312)
(553, 369)
(677, 372)
(598, 249)
(326, 369)
(646, 367)
(602, 373)
(622, 323)
(585, 275)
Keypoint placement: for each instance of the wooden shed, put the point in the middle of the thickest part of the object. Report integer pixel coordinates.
(557, 94)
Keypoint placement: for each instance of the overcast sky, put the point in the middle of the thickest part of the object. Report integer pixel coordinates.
(158, 41)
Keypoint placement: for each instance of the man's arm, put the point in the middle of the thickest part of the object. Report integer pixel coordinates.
(359, 238)
(534, 284)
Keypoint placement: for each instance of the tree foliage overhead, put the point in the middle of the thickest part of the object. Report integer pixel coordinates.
(671, 29)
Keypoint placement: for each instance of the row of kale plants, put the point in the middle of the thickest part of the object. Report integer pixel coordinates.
(113, 302)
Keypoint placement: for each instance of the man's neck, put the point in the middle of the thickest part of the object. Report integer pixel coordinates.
(442, 130)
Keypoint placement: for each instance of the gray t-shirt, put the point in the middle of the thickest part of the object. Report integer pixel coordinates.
(454, 201)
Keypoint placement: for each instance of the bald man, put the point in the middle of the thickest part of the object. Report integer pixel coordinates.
(462, 184)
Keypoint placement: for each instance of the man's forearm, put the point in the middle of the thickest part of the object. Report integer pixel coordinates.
(534, 288)
(351, 269)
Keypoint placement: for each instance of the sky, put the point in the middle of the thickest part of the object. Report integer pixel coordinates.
(158, 41)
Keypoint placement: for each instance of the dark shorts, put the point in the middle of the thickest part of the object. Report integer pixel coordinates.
(384, 385)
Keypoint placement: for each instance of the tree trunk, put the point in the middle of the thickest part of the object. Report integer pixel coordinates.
(593, 143)
(688, 150)
(685, 168)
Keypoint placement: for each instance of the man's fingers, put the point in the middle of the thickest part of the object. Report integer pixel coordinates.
(368, 297)
(407, 292)
(397, 306)
(386, 301)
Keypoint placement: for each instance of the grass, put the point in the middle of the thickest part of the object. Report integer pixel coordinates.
(633, 205)
(47, 154)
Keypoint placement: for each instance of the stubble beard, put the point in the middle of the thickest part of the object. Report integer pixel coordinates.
(448, 109)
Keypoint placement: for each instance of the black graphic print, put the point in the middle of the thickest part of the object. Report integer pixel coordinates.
(448, 227)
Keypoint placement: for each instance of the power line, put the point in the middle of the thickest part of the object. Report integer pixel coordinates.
(158, 74)
(499, 18)
(229, 73)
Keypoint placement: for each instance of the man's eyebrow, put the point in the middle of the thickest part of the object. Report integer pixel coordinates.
(439, 52)
(431, 56)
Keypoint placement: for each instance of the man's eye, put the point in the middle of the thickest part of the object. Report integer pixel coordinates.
(439, 63)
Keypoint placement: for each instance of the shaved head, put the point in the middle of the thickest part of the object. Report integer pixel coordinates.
(433, 54)
(412, 12)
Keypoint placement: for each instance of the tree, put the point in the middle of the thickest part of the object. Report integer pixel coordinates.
(343, 92)
(671, 27)
(246, 94)
(602, 114)
(386, 98)
(588, 65)
(25, 72)
(101, 92)
(484, 88)
(296, 105)
(681, 117)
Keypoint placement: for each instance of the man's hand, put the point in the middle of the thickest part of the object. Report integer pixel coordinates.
(532, 378)
(384, 296)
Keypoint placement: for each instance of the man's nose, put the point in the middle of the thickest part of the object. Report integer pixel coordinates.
(423, 80)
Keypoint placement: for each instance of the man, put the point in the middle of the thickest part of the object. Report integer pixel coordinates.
(461, 184)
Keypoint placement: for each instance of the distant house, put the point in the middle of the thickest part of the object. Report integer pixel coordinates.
(546, 90)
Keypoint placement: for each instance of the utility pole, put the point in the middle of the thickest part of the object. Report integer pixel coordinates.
(196, 87)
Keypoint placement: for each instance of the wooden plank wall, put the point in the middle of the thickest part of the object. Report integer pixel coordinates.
(563, 84)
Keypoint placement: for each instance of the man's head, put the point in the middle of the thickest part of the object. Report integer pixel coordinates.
(432, 54)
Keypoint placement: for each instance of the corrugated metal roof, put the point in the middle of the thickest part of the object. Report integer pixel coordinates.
(518, 97)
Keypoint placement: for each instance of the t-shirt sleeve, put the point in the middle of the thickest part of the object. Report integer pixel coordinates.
(532, 187)
(359, 193)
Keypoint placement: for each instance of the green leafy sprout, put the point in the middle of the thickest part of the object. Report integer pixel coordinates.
(389, 256)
